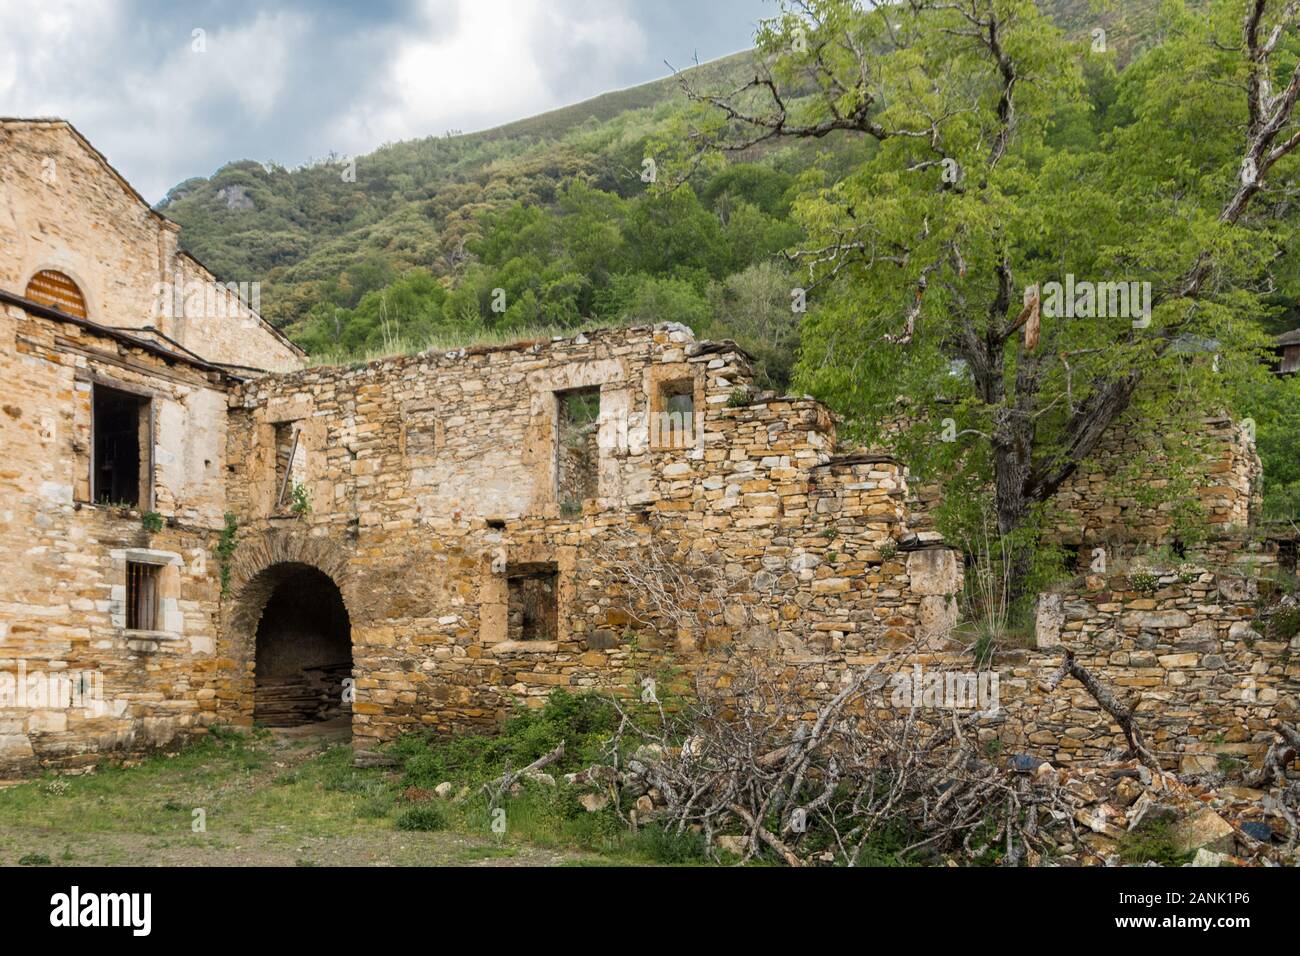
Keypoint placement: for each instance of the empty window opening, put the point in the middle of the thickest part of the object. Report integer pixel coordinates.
(142, 596)
(57, 291)
(532, 612)
(578, 451)
(672, 418)
(122, 438)
(303, 652)
(1286, 555)
(290, 463)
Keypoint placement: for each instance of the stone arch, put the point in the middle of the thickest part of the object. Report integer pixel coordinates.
(258, 569)
(250, 587)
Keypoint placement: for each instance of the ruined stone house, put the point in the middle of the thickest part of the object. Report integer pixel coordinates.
(196, 529)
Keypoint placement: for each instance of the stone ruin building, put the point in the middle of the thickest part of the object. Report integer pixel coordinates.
(197, 529)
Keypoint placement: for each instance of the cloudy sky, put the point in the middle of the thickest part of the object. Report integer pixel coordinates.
(293, 80)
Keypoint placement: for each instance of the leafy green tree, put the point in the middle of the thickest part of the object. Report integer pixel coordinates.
(979, 182)
(757, 309)
(666, 300)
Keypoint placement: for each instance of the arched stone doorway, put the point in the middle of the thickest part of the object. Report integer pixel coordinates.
(302, 649)
(291, 604)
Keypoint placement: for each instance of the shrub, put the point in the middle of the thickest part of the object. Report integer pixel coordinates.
(376, 807)
(659, 845)
(583, 721)
(739, 398)
(1151, 842)
(301, 500)
(1286, 623)
(424, 817)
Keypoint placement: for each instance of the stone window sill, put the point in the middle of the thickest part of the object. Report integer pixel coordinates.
(131, 635)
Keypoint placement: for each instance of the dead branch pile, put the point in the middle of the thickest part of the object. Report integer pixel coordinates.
(757, 772)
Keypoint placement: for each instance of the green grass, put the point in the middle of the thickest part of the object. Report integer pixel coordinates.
(233, 780)
(426, 817)
(303, 803)
(449, 341)
(1151, 842)
(254, 793)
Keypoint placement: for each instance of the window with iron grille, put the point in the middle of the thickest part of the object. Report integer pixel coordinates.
(142, 596)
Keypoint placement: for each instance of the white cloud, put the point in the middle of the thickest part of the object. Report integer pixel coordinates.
(493, 69)
(289, 80)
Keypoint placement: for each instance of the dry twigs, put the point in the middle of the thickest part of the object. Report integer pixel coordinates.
(829, 786)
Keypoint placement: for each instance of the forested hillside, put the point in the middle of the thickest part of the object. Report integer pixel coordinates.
(439, 223)
(550, 223)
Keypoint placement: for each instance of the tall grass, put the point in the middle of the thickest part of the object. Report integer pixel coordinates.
(449, 340)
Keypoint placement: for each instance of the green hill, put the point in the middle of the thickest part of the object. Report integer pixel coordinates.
(321, 237)
(411, 204)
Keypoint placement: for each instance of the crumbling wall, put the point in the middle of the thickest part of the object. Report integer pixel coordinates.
(436, 478)
(1107, 500)
(1209, 683)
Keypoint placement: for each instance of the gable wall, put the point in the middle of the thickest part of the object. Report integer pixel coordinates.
(62, 209)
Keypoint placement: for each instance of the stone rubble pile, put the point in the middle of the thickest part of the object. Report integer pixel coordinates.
(1221, 823)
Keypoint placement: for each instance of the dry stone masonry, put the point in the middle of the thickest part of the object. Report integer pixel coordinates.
(196, 530)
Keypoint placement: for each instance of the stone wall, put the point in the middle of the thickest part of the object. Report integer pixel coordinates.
(435, 497)
(1110, 500)
(1121, 497)
(434, 482)
(62, 595)
(1209, 684)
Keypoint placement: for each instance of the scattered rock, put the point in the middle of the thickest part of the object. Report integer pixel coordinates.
(1127, 790)
(443, 790)
(1024, 763)
(1206, 829)
(647, 754)
(1206, 857)
(594, 802)
(595, 774)
(1257, 830)
(735, 845)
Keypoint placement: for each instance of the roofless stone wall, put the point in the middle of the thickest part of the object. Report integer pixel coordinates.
(715, 529)
(436, 479)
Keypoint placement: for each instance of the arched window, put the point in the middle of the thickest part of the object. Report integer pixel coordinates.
(57, 290)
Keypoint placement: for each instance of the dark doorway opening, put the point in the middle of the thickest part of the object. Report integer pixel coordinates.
(304, 652)
(122, 436)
